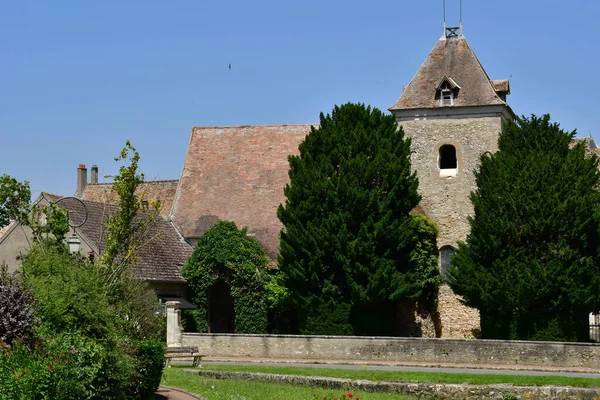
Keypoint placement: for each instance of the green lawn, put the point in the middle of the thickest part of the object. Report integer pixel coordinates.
(414, 376)
(220, 389)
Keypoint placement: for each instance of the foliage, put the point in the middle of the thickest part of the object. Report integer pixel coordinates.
(150, 360)
(126, 233)
(68, 366)
(227, 254)
(16, 307)
(70, 295)
(530, 263)
(14, 200)
(348, 238)
(49, 223)
(121, 228)
(426, 278)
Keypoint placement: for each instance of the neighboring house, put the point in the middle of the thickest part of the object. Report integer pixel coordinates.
(150, 191)
(160, 256)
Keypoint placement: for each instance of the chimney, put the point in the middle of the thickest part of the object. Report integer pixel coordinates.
(81, 179)
(94, 174)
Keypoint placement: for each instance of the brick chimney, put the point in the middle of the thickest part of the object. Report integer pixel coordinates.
(81, 179)
(94, 174)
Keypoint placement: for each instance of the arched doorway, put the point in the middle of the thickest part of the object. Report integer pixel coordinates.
(221, 313)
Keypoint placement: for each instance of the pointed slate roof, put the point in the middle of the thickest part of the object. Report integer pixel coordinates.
(452, 58)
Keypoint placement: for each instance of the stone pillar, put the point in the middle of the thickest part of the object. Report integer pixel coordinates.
(173, 324)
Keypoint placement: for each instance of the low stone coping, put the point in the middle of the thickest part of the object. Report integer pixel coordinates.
(421, 390)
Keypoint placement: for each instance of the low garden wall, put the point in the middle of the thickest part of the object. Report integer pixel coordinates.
(582, 356)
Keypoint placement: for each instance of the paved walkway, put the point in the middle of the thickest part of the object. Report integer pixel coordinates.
(164, 393)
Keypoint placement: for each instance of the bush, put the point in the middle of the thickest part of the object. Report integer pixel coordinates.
(77, 314)
(16, 312)
(227, 255)
(66, 367)
(150, 361)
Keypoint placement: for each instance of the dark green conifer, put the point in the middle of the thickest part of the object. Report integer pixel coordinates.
(348, 236)
(530, 263)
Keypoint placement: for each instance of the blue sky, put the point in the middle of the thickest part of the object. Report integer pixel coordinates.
(79, 78)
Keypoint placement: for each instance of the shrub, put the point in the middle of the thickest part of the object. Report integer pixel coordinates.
(227, 255)
(150, 359)
(66, 367)
(16, 312)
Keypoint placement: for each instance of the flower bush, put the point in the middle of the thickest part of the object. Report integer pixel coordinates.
(344, 396)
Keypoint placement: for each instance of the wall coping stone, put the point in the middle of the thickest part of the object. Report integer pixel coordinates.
(437, 340)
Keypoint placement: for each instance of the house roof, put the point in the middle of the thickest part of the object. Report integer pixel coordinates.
(153, 191)
(236, 173)
(163, 252)
(452, 58)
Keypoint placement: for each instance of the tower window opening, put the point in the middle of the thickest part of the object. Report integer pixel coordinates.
(447, 158)
(446, 254)
(446, 94)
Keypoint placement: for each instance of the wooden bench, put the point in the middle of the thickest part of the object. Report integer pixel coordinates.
(183, 352)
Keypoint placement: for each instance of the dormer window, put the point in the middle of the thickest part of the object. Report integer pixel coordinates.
(447, 96)
(447, 91)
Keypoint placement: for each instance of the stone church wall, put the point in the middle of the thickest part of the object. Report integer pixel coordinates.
(445, 200)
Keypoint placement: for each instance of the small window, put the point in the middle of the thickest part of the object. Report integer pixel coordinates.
(446, 94)
(446, 254)
(447, 161)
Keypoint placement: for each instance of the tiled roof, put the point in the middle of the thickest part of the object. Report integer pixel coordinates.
(452, 58)
(151, 191)
(163, 251)
(236, 174)
(502, 86)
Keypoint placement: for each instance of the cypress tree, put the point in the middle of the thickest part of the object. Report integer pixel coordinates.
(347, 237)
(530, 263)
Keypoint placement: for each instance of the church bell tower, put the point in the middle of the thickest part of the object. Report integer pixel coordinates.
(453, 114)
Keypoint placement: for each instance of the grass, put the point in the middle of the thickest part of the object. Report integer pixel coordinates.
(435, 377)
(220, 389)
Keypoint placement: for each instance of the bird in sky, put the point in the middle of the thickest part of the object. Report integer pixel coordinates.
(230, 66)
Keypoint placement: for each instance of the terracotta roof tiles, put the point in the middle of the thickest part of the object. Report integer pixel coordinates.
(236, 174)
(152, 191)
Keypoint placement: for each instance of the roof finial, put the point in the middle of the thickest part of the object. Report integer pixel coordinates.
(454, 31)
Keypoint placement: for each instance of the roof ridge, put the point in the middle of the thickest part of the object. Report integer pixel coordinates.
(153, 181)
(251, 126)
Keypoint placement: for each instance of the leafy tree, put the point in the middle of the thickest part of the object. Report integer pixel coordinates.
(348, 240)
(14, 200)
(530, 263)
(227, 255)
(125, 234)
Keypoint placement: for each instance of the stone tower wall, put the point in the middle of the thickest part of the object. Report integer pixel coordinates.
(446, 199)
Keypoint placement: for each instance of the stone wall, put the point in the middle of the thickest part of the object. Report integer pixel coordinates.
(446, 200)
(457, 320)
(582, 356)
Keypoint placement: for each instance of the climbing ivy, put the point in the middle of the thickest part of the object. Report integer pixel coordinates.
(227, 254)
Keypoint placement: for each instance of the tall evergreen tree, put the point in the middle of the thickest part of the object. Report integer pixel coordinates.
(348, 236)
(530, 263)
